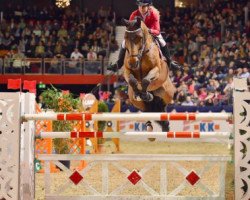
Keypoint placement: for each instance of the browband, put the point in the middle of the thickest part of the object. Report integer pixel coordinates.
(133, 31)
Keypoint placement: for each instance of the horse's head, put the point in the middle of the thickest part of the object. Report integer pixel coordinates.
(135, 42)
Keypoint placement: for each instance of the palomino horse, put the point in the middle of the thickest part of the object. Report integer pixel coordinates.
(146, 72)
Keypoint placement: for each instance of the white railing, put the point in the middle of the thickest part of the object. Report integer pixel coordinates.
(52, 66)
(153, 177)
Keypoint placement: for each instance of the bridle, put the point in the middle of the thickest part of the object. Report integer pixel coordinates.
(143, 50)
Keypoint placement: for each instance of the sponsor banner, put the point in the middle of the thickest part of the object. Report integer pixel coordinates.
(200, 126)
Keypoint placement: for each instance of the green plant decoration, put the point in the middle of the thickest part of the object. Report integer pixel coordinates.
(102, 107)
(55, 100)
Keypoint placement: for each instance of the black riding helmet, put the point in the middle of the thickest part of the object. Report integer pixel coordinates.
(144, 2)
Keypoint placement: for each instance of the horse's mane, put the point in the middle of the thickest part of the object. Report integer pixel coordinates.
(145, 30)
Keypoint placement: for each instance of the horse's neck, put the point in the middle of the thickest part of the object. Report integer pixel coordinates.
(150, 46)
(148, 38)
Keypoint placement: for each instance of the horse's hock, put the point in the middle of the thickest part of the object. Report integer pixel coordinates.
(172, 179)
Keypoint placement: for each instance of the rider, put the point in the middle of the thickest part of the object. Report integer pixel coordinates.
(151, 18)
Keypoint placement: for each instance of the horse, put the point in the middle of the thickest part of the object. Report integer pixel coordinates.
(145, 70)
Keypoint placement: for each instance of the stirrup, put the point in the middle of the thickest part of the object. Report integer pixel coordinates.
(175, 65)
(149, 124)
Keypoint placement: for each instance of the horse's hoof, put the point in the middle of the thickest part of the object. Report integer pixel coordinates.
(149, 126)
(147, 97)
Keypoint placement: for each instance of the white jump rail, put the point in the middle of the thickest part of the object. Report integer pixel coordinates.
(137, 157)
(163, 136)
(128, 116)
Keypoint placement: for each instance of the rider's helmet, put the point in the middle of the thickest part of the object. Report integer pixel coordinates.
(144, 2)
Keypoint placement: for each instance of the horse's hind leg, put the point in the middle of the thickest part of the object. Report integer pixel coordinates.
(134, 85)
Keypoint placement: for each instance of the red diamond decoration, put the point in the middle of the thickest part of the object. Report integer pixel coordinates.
(192, 178)
(76, 177)
(134, 177)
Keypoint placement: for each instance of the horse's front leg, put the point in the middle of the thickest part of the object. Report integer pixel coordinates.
(134, 84)
(151, 76)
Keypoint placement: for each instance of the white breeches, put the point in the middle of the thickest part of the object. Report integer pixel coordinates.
(161, 40)
(123, 44)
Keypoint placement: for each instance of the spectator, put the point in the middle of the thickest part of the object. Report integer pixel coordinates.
(62, 33)
(91, 56)
(40, 50)
(202, 95)
(18, 61)
(245, 73)
(54, 66)
(188, 102)
(76, 55)
(181, 97)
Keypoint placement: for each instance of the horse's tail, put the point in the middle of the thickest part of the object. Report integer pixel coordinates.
(157, 105)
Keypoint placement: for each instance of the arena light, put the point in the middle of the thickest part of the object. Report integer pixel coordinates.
(62, 3)
(179, 4)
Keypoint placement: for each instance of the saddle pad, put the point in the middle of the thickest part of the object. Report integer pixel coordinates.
(160, 52)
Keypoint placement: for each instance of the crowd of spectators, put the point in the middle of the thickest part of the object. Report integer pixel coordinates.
(212, 42)
(50, 31)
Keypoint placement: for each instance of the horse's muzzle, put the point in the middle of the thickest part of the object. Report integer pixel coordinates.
(134, 64)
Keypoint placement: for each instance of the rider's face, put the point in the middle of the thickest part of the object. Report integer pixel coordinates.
(143, 9)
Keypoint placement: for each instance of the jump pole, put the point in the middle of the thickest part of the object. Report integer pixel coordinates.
(128, 116)
(164, 136)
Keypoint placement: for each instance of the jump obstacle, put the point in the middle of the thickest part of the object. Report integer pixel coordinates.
(17, 153)
(160, 135)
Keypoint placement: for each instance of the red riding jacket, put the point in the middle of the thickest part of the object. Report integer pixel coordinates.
(152, 19)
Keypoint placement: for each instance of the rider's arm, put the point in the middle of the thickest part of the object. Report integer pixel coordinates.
(133, 15)
(155, 25)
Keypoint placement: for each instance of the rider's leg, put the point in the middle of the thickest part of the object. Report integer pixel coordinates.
(172, 64)
(119, 63)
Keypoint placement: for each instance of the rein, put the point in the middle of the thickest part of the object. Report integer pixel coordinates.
(142, 51)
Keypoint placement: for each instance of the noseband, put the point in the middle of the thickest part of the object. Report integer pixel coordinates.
(143, 49)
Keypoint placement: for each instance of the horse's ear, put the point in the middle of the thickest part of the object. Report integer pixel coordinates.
(138, 21)
(125, 22)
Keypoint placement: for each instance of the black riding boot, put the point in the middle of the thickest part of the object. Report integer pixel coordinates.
(173, 65)
(119, 63)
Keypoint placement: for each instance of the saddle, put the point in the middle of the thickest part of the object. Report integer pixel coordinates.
(156, 41)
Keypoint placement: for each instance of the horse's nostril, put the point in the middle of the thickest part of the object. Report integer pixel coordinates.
(132, 65)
